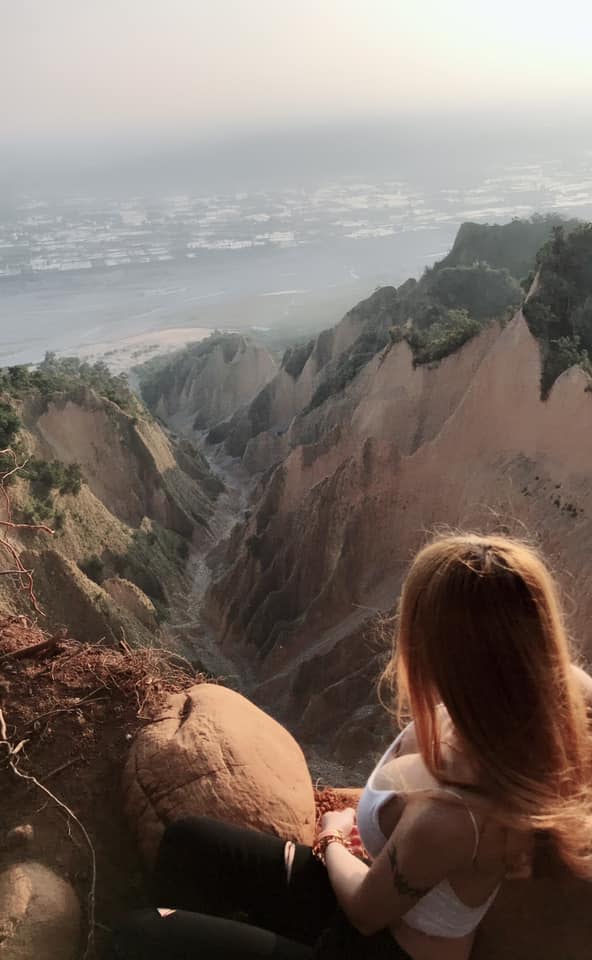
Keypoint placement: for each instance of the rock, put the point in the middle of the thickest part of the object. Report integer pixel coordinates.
(129, 596)
(213, 752)
(19, 838)
(305, 580)
(39, 914)
(208, 381)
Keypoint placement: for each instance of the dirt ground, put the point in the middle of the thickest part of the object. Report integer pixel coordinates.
(77, 706)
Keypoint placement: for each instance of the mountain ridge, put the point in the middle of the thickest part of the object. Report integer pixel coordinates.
(335, 527)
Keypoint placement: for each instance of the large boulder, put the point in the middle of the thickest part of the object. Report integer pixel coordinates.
(39, 914)
(212, 752)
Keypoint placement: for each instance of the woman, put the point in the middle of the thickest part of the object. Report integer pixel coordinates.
(498, 752)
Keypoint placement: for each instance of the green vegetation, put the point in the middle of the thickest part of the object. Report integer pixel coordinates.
(160, 374)
(436, 316)
(443, 337)
(479, 289)
(560, 355)
(559, 313)
(295, 358)
(9, 425)
(94, 568)
(66, 375)
(479, 282)
(54, 377)
(193, 462)
(373, 339)
(376, 315)
(46, 476)
(260, 410)
(45, 479)
(512, 246)
(153, 556)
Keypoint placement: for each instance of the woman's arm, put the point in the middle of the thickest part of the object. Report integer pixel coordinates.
(431, 841)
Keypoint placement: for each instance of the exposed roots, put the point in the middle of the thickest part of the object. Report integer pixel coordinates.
(12, 758)
(70, 710)
(144, 675)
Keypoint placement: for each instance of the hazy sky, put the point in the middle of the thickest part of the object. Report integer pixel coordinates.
(81, 68)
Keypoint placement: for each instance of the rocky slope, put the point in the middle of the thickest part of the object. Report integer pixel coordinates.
(206, 383)
(177, 747)
(511, 245)
(474, 283)
(255, 432)
(121, 536)
(403, 450)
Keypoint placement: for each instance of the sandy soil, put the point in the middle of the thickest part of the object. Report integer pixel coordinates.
(123, 354)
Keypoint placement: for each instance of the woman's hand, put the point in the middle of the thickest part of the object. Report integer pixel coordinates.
(342, 820)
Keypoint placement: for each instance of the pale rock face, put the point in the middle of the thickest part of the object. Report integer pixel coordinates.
(39, 914)
(404, 451)
(209, 388)
(129, 596)
(129, 464)
(212, 752)
(258, 433)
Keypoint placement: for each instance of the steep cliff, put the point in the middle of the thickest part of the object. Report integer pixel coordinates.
(207, 382)
(464, 443)
(476, 282)
(126, 506)
(511, 245)
(256, 432)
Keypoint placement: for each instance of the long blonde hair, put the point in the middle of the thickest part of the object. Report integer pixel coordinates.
(480, 629)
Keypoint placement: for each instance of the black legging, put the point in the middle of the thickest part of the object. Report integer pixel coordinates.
(209, 871)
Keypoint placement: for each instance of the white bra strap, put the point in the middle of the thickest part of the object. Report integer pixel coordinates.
(471, 815)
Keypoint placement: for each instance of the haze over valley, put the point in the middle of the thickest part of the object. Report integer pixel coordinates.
(81, 272)
(285, 287)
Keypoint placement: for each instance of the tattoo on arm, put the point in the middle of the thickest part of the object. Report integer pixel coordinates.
(402, 886)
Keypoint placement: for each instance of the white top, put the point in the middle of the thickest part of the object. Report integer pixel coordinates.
(440, 912)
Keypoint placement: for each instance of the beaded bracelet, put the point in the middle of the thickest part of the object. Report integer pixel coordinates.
(324, 839)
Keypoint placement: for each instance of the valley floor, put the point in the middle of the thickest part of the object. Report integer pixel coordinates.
(192, 637)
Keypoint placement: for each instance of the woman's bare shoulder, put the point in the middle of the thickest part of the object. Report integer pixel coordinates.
(407, 742)
(438, 827)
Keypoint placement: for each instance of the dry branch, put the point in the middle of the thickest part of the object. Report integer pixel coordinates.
(24, 576)
(79, 702)
(62, 767)
(45, 646)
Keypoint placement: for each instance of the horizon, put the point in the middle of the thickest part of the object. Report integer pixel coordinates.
(172, 163)
(120, 81)
(453, 148)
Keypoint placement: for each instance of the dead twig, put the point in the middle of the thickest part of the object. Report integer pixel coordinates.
(18, 569)
(25, 576)
(9, 473)
(27, 526)
(66, 658)
(45, 646)
(12, 758)
(62, 766)
(74, 706)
